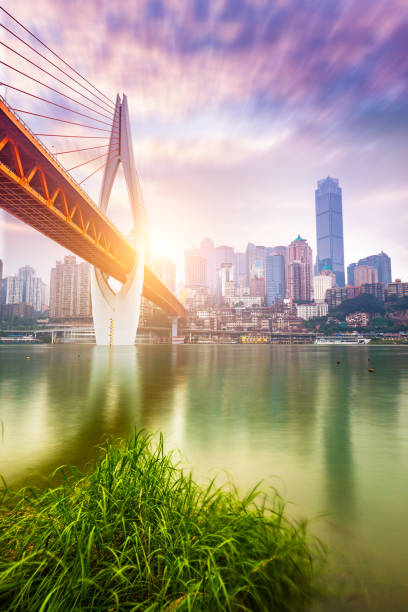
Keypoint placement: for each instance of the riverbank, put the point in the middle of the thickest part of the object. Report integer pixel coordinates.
(136, 533)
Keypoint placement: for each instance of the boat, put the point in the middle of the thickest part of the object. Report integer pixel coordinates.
(343, 339)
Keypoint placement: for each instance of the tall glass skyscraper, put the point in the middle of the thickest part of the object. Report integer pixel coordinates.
(275, 275)
(329, 228)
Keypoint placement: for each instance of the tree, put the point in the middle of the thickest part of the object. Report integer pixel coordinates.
(365, 302)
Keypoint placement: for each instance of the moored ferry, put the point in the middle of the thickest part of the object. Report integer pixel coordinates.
(343, 339)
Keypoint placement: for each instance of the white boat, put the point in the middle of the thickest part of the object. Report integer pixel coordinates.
(345, 340)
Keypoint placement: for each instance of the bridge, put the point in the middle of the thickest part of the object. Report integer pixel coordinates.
(38, 190)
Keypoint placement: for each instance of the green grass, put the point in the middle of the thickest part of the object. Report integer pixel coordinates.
(136, 533)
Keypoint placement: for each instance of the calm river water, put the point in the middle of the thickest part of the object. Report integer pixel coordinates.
(332, 438)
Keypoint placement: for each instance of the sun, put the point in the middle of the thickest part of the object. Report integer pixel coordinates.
(162, 245)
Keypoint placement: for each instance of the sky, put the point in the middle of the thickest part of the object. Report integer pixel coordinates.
(238, 108)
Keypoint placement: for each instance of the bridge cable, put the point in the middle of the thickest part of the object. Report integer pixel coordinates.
(27, 93)
(51, 75)
(56, 55)
(91, 127)
(71, 136)
(50, 62)
(79, 150)
(91, 160)
(97, 170)
(56, 90)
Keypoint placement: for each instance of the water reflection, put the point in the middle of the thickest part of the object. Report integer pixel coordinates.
(332, 437)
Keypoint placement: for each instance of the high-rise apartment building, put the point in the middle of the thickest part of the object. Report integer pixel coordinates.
(382, 263)
(36, 294)
(321, 283)
(166, 271)
(300, 270)
(25, 288)
(26, 274)
(329, 228)
(70, 289)
(397, 289)
(275, 278)
(12, 290)
(365, 274)
(195, 269)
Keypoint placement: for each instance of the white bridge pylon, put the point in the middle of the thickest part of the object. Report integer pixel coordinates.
(116, 315)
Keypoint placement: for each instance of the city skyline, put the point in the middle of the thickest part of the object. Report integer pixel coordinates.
(247, 151)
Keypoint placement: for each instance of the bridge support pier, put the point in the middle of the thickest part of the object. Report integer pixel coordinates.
(174, 329)
(116, 315)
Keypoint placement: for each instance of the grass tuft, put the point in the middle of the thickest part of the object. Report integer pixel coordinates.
(136, 533)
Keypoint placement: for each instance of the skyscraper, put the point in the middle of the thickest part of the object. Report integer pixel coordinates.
(300, 270)
(382, 263)
(281, 250)
(207, 250)
(166, 271)
(240, 269)
(365, 274)
(329, 228)
(350, 273)
(275, 275)
(224, 254)
(195, 269)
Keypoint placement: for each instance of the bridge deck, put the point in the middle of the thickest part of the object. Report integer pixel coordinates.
(37, 190)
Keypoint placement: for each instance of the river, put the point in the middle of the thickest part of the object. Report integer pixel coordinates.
(331, 437)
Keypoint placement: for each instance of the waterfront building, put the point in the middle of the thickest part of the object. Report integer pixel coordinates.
(382, 263)
(321, 283)
(195, 269)
(311, 311)
(364, 274)
(207, 250)
(16, 311)
(166, 271)
(275, 278)
(70, 289)
(329, 228)
(397, 289)
(300, 270)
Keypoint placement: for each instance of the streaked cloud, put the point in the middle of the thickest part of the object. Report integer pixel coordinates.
(270, 96)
